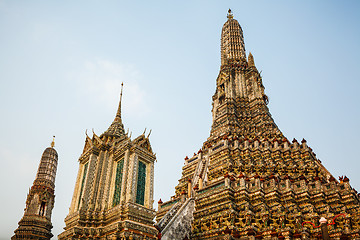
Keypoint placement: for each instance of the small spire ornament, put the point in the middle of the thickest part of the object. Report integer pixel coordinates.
(53, 142)
(230, 15)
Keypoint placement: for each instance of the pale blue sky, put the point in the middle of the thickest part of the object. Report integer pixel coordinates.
(62, 63)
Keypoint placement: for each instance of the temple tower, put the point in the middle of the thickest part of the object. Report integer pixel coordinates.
(239, 93)
(113, 195)
(248, 181)
(36, 222)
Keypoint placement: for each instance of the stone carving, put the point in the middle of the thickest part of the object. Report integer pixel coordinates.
(180, 225)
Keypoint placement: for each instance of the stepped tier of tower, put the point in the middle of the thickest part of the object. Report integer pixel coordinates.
(248, 181)
(271, 189)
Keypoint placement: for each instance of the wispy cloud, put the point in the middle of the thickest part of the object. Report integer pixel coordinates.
(103, 78)
(21, 161)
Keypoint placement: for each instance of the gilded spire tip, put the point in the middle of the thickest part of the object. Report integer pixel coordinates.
(230, 15)
(122, 85)
(53, 142)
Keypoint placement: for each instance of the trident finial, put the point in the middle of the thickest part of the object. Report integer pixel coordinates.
(53, 142)
(122, 84)
(149, 134)
(230, 15)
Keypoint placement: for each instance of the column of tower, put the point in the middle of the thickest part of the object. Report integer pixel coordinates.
(36, 222)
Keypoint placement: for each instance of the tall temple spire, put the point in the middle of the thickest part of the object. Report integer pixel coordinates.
(248, 181)
(239, 103)
(36, 222)
(113, 195)
(116, 128)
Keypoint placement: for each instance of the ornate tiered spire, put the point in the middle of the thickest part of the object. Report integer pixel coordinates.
(47, 168)
(239, 103)
(232, 41)
(36, 222)
(114, 187)
(116, 128)
(248, 181)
